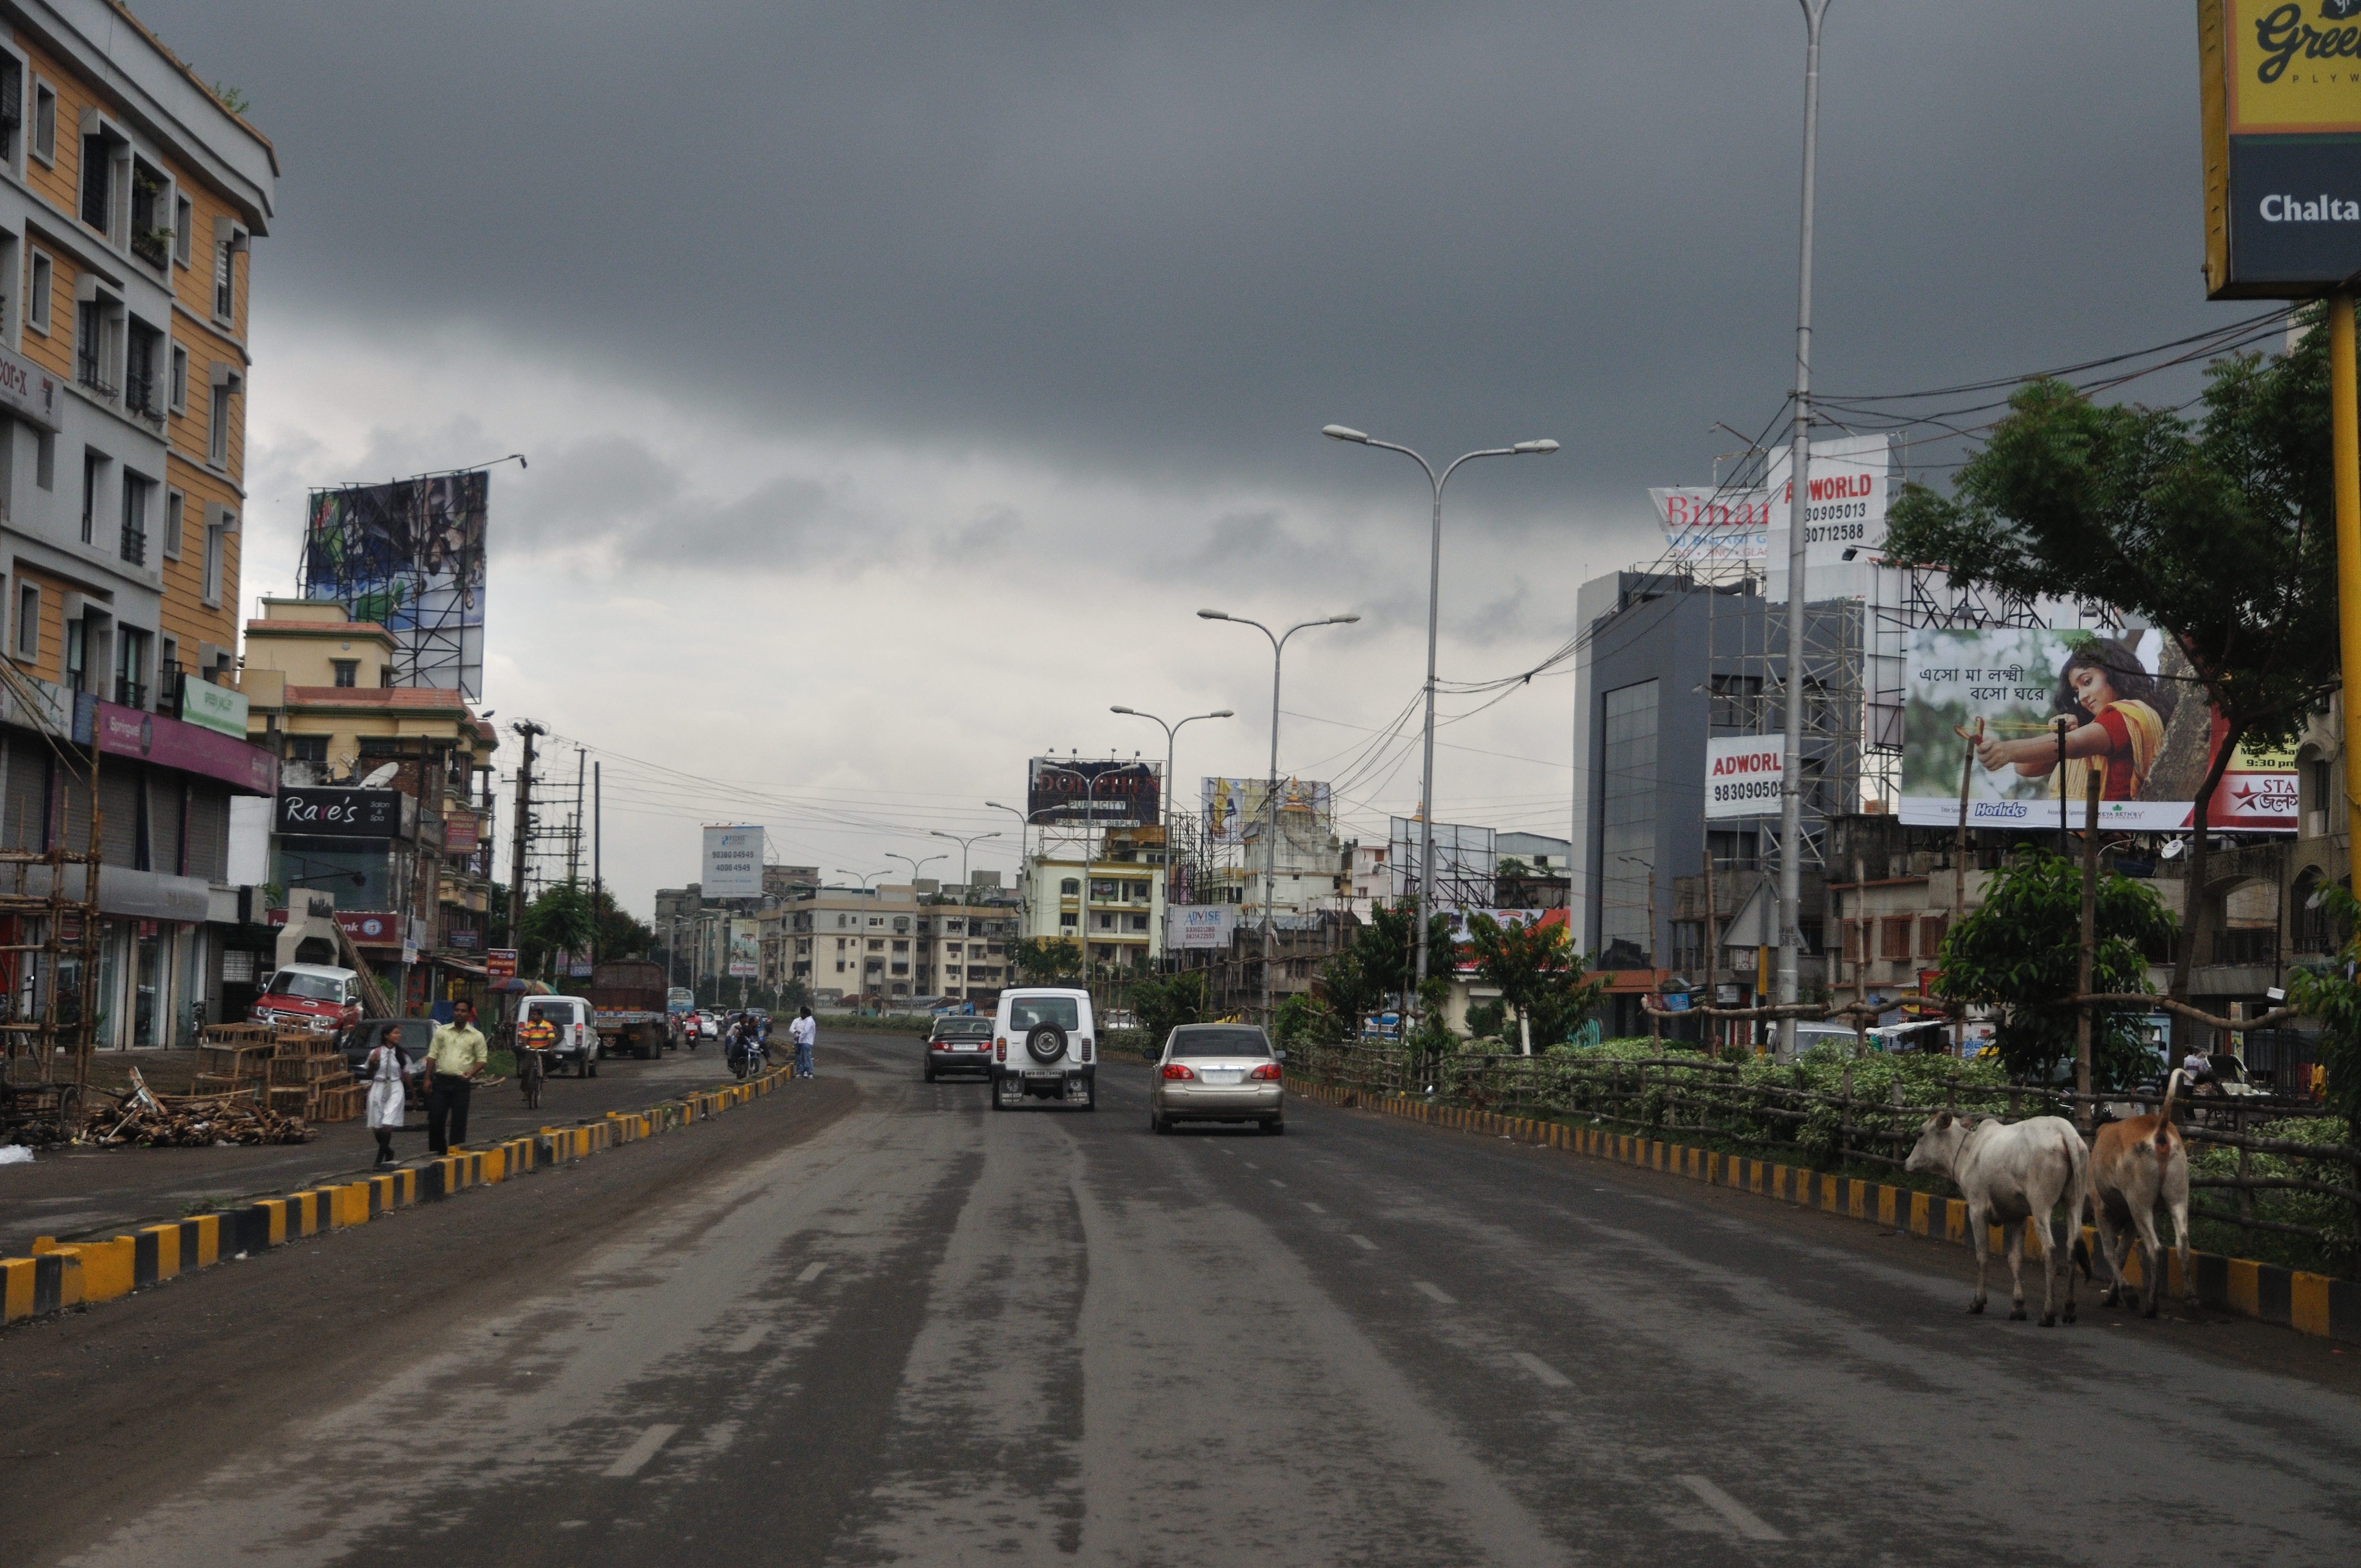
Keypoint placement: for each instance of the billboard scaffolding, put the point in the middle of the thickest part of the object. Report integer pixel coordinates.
(409, 556)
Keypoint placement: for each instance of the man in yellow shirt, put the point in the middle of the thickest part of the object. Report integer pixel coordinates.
(454, 1061)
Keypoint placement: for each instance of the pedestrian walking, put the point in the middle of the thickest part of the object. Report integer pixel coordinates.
(387, 1100)
(454, 1062)
(803, 1031)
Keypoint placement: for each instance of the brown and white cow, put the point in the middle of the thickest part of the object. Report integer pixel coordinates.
(2010, 1172)
(2134, 1165)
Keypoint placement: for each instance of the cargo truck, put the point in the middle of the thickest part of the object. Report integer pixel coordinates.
(628, 1001)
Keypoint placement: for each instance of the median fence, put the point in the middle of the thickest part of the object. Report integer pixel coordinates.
(62, 1275)
(2310, 1302)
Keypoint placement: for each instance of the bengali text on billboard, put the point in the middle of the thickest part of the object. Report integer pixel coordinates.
(1987, 702)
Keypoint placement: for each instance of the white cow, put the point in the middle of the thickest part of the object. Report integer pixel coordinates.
(2011, 1172)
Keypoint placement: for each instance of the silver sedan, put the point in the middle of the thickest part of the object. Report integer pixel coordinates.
(1218, 1072)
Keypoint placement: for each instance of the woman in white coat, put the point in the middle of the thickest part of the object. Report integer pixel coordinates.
(384, 1072)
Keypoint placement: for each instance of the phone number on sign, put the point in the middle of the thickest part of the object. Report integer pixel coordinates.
(1745, 789)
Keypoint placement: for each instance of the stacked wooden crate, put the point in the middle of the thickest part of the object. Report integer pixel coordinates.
(309, 1079)
(234, 1060)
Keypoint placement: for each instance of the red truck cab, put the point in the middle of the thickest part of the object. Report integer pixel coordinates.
(322, 997)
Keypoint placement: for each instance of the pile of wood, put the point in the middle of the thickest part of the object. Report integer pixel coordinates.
(234, 1060)
(188, 1121)
(307, 1077)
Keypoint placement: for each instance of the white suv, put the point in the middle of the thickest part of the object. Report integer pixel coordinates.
(1044, 1046)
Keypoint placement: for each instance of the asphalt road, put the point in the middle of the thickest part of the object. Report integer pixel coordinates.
(897, 1327)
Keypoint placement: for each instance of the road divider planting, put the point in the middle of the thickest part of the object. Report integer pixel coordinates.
(2310, 1303)
(70, 1274)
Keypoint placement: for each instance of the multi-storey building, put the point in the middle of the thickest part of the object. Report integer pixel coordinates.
(893, 944)
(129, 194)
(1109, 900)
(412, 881)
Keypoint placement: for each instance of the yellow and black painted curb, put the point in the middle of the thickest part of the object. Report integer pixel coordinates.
(61, 1276)
(2310, 1303)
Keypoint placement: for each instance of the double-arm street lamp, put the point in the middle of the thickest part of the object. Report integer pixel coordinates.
(1271, 784)
(1433, 600)
(916, 866)
(965, 845)
(864, 876)
(1171, 731)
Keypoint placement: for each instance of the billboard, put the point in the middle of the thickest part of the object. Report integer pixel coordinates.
(745, 950)
(1115, 792)
(1200, 925)
(1743, 775)
(2281, 119)
(1844, 507)
(1987, 700)
(733, 863)
(1706, 524)
(1231, 806)
(409, 556)
(1465, 860)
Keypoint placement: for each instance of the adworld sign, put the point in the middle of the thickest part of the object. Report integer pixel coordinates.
(1743, 775)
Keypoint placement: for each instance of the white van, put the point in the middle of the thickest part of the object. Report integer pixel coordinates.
(577, 1034)
(1044, 1047)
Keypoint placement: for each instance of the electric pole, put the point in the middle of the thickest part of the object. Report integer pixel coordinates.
(521, 832)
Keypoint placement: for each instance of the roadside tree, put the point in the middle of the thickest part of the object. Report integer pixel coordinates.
(1543, 984)
(1047, 960)
(2019, 954)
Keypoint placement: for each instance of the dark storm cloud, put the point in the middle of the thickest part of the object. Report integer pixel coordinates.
(1170, 241)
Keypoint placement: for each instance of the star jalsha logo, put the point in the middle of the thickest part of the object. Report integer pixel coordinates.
(2263, 798)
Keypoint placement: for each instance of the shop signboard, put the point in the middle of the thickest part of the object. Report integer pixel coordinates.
(499, 963)
(733, 863)
(2279, 114)
(462, 831)
(332, 813)
(134, 732)
(1989, 700)
(210, 706)
(366, 928)
(1743, 775)
(28, 390)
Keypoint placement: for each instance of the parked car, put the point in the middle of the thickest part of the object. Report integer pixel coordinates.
(1044, 1047)
(320, 997)
(1218, 1072)
(578, 1036)
(958, 1044)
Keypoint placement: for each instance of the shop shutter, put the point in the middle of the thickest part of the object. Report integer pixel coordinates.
(164, 823)
(209, 833)
(27, 818)
(74, 818)
(119, 799)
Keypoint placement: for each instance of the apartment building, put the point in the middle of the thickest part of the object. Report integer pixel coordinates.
(128, 195)
(1111, 902)
(893, 944)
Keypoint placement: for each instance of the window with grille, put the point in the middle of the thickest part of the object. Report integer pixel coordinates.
(98, 181)
(1931, 928)
(133, 543)
(12, 106)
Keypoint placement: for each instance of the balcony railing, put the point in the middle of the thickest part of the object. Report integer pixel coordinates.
(140, 398)
(2245, 945)
(129, 693)
(135, 545)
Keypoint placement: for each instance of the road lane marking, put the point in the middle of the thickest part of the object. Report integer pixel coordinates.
(1741, 1518)
(1313, 1207)
(1249, 1165)
(640, 1452)
(811, 1274)
(1549, 1377)
(1275, 1181)
(1364, 1242)
(1433, 1293)
(750, 1339)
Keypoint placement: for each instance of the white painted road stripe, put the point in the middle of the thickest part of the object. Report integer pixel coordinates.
(640, 1452)
(811, 1274)
(1364, 1242)
(1313, 1207)
(1433, 1293)
(1550, 1377)
(1741, 1518)
(1275, 1181)
(750, 1339)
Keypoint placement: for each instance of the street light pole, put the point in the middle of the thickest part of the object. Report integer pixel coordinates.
(1799, 461)
(1270, 783)
(1164, 936)
(1024, 859)
(916, 866)
(1433, 604)
(965, 845)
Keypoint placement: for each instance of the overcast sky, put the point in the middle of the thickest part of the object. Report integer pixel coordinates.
(899, 379)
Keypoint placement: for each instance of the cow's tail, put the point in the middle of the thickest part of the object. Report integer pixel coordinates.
(2163, 1132)
(2077, 1198)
